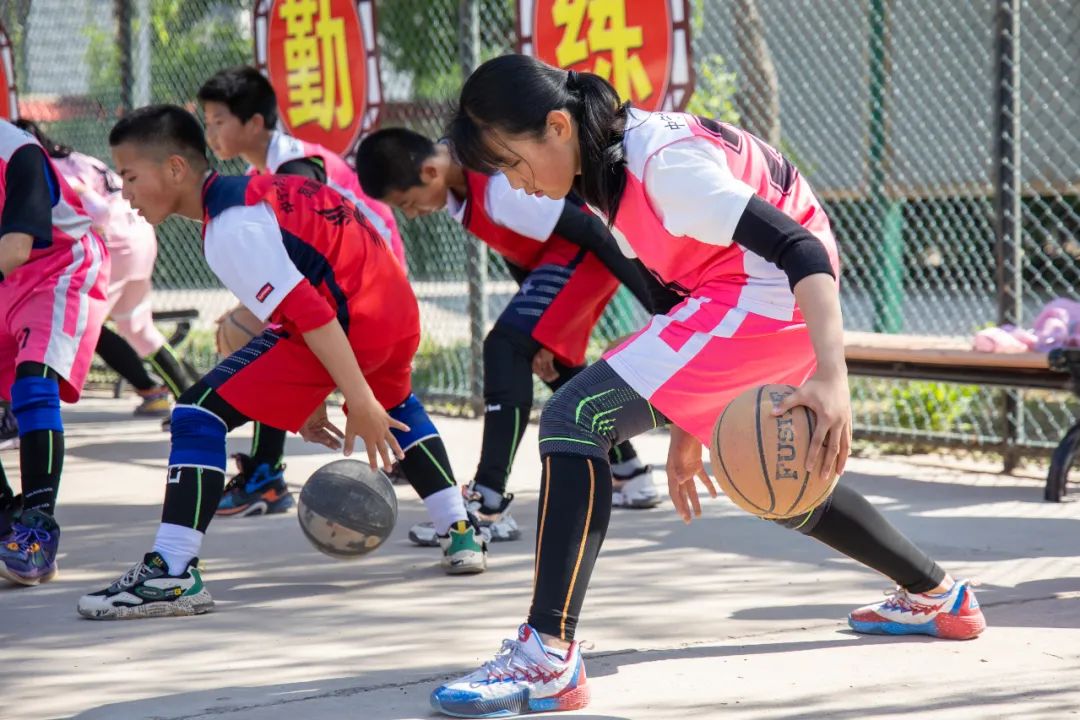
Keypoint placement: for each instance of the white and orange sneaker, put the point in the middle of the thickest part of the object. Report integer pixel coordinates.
(525, 677)
(954, 615)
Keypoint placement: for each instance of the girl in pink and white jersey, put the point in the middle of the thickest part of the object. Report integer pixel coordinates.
(730, 225)
(133, 250)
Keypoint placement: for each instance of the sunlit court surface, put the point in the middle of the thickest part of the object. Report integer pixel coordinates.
(729, 617)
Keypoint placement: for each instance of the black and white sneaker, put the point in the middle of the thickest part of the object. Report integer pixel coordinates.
(147, 590)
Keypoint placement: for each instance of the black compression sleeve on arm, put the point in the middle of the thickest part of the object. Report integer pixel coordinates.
(766, 231)
(589, 232)
(661, 298)
(304, 167)
(29, 201)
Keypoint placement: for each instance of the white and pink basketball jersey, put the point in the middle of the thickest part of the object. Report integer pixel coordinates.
(679, 220)
(285, 148)
(70, 220)
(98, 187)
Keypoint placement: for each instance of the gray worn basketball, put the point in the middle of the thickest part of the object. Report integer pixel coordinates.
(346, 509)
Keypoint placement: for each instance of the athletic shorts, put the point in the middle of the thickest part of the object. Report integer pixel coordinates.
(276, 380)
(690, 363)
(51, 310)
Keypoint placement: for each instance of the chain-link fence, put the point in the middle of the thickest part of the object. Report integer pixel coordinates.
(942, 135)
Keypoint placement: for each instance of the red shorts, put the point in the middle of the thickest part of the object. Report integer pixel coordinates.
(51, 310)
(278, 381)
(559, 305)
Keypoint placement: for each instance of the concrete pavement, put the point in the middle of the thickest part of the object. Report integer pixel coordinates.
(730, 617)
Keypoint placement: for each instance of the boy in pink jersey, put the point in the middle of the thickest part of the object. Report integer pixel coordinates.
(132, 248)
(728, 223)
(53, 274)
(240, 110)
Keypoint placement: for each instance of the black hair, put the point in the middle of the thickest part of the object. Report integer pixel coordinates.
(390, 159)
(169, 127)
(513, 94)
(52, 148)
(245, 91)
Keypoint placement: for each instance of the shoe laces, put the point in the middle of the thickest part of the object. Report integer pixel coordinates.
(512, 663)
(132, 577)
(29, 538)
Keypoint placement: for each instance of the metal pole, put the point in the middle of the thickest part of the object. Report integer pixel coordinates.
(1008, 252)
(141, 90)
(122, 10)
(889, 212)
(475, 253)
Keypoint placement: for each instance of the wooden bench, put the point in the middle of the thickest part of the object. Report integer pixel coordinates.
(951, 359)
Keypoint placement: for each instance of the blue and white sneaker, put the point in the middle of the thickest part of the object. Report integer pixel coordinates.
(523, 678)
(28, 553)
(255, 490)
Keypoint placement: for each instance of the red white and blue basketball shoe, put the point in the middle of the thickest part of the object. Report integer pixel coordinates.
(523, 678)
(953, 615)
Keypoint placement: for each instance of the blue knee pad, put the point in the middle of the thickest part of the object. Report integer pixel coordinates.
(198, 438)
(412, 413)
(35, 401)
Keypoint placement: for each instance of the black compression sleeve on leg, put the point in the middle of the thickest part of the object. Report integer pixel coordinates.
(171, 370)
(267, 445)
(508, 396)
(574, 512)
(121, 357)
(427, 467)
(848, 523)
(41, 452)
(580, 423)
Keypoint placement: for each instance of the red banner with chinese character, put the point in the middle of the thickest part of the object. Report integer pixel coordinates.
(8, 106)
(642, 47)
(321, 58)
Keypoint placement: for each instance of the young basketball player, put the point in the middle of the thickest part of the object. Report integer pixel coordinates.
(567, 266)
(132, 249)
(240, 110)
(53, 273)
(728, 222)
(299, 255)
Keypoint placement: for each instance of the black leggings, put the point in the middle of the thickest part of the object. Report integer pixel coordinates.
(596, 409)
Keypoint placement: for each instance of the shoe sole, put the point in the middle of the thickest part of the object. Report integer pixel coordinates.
(260, 507)
(946, 628)
(197, 604)
(637, 503)
(465, 569)
(27, 582)
(521, 704)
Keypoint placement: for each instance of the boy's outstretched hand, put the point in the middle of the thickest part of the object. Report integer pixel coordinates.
(371, 423)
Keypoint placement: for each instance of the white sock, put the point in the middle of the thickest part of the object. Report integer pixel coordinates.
(445, 508)
(178, 545)
(627, 467)
(489, 497)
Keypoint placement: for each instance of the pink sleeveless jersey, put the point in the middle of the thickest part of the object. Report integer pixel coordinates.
(730, 275)
(70, 220)
(98, 187)
(285, 148)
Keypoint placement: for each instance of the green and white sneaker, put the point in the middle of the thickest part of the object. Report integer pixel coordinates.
(147, 590)
(464, 549)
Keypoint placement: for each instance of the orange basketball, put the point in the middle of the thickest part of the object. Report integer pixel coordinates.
(760, 460)
(236, 328)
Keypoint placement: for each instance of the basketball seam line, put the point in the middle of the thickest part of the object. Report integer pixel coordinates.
(761, 451)
(806, 477)
(723, 465)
